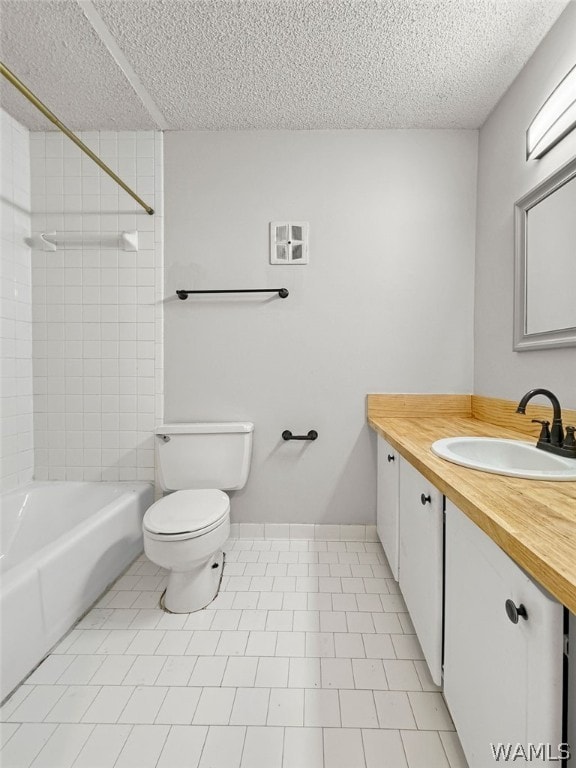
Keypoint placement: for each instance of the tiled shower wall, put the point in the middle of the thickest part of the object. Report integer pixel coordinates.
(16, 463)
(97, 309)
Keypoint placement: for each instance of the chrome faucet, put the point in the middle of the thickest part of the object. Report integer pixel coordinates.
(551, 440)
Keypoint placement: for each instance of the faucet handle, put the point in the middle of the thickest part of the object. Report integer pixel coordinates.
(545, 431)
(570, 440)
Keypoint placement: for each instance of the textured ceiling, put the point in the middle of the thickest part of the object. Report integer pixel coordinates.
(293, 64)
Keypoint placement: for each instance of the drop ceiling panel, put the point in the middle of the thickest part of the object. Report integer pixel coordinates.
(53, 49)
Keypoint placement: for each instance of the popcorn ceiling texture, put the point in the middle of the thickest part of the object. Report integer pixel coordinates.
(268, 64)
(53, 49)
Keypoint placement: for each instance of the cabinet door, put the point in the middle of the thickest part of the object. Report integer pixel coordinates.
(502, 681)
(421, 561)
(387, 502)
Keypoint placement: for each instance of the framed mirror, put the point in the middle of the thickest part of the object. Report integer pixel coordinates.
(545, 263)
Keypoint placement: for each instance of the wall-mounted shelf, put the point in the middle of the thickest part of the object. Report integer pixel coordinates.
(282, 292)
(52, 241)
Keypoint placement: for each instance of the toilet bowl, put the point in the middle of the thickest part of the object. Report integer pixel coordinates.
(185, 531)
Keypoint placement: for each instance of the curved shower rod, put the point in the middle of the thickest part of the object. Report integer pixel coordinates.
(11, 77)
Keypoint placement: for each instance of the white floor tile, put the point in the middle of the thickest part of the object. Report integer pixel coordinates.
(240, 672)
(333, 621)
(388, 623)
(369, 674)
(321, 709)
(63, 747)
(286, 707)
(379, 646)
(203, 643)
(200, 620)
(117, 641)
(273, 601)
(291, 644)
(81, 671)
(183, 747)
(143, 747)
(349, 645)
(103, 746)
(215, 706)
(26, 743)
(263, 747)
(226, 619)
(174, 643)
(430, 711)
(12, 703)
(383, 749)
(406, 647)
(261, 644)
(143, 705)
(37, 704)
(394, 710)
(108, 704)
(72, 705)
(343, 748)
(144, 670)
(306, 621)
(177, 670)
(336, 673)
(370, 603)
(232, 643)
(178, 706)
(320, 644)
(424, 749)
(250, 706)
(50, 670)
(360, 621)
(7, 730)
(209, 671)
(272, 673)
(253, 620)
(113, 670)
(401, 675)
(280, 621)
(223, 747)
(453, 749)
(146, 641)
(303, 748)
(357, 709)
(304, 673)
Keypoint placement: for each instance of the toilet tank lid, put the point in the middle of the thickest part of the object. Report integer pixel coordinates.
(205, 428)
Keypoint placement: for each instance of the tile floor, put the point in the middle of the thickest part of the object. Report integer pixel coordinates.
(306, 659)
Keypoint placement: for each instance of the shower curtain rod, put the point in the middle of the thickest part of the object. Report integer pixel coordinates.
(11, 77)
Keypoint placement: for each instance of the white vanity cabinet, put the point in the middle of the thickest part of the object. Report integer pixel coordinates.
(387, 502)
(502, 680)
(422, 560)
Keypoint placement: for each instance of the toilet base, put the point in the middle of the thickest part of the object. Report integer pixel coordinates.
(190, 591)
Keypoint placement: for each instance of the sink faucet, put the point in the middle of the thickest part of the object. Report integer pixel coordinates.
(552, 440)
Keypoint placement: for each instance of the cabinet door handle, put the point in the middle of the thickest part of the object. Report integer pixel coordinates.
(515, 611)
(391, 457)
(425, 499)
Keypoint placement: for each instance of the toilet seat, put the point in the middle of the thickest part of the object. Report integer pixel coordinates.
(186, 514)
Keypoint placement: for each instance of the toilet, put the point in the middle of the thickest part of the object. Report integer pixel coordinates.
(185, 531)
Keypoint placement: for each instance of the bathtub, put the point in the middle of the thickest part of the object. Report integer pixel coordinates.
(61, 545)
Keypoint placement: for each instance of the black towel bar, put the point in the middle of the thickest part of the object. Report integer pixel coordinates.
(287, 435)
(282, 292)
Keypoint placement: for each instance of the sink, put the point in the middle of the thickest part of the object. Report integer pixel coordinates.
(514, 458)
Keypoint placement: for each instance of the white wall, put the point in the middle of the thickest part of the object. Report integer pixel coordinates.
(504, 177)
(97, 309)
(385, 304)
(16, 428)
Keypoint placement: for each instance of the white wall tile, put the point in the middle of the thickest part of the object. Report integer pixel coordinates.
(101, 307)
(16, 421)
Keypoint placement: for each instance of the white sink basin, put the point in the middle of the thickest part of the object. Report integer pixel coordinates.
(514, 458)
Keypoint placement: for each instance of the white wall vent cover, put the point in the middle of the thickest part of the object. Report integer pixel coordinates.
(288, 242)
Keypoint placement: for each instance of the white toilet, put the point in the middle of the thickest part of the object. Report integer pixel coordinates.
(185, 531)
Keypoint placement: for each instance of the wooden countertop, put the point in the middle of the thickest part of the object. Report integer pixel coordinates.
(534, 522)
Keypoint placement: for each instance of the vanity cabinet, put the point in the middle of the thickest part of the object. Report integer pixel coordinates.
(421, 560)
(502, 680)
(387, 502)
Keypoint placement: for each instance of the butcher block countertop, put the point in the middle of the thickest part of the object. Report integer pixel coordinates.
(533, 521)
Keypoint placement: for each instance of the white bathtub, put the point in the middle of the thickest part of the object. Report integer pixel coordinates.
(61, 545)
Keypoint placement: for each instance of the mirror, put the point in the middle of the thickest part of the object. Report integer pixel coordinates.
(545, 269)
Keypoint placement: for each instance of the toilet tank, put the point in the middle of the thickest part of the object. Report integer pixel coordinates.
(204, 455)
